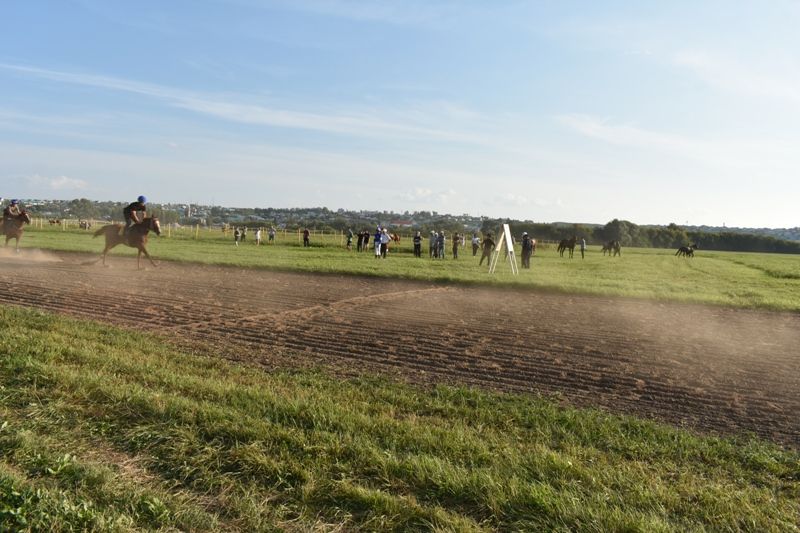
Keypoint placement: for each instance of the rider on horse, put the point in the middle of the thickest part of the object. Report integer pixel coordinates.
(130, 213)
(11, 212)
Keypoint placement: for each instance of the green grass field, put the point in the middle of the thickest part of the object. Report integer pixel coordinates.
(767, 281)
(103, 429)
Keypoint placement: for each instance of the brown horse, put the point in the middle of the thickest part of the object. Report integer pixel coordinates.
(395, 238)
(686, 251)
(567, 244)
(12, 227)
(612, 247)
(135, 238)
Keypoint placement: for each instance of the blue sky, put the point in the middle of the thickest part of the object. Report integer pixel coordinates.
(654, 112)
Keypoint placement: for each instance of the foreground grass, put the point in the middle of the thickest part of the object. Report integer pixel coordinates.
(767, 281)
(109, 430)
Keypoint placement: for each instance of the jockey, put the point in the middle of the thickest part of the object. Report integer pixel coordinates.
(130, 212)
(11, 211)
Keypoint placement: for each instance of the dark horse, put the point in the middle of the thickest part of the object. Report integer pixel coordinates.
(12, 227)
(567, 244)
(687, 251)
(613, 248)
(136, 238)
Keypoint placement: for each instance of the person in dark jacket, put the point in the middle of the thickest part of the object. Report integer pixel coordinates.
(131, 212)
(527, 250)
(488, 246)
(417, 244)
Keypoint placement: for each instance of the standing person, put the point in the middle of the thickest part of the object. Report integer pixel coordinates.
(417, 244)
(476, 243)
(440, 244)
(434, 238)
(377, 242)
(488, 246)
(131, 213)
(366, 240)
(349, 239)
(258, 237)
(306, 238)
(527, 250)
(244, 232)
(360, 241)
(583, 247)
(456, 242)
(271, 235)
(236, 236)
(384, 242)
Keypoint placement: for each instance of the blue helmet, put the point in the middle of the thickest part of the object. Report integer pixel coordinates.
(14, 201)
(142, 199)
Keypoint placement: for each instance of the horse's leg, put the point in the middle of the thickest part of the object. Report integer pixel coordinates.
(144, 250)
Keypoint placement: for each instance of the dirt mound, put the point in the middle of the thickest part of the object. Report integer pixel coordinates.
(710, 368)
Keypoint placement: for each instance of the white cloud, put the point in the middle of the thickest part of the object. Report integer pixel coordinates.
(58, 183)
(776, 79)
(408, 124)
(738, 154)
(511, 198)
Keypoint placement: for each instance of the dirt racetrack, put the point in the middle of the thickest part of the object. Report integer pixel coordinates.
(712, 369)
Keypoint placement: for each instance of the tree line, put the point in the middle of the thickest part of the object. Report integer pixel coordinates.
(630, 234)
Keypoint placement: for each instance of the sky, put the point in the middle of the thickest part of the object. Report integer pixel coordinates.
(653, 112)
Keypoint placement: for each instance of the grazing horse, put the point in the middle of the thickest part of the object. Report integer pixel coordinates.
(135, 238)
(613, 248)
(687, 251)
(54, 221)
(567, 244)
(12, 227)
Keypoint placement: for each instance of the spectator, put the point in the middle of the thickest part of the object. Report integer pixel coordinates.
(418, 244)
(244, 232)
(441, 245)
(434, 239)
(583, 247)
(349, 239)
(237, 235)
(366, 240)
(527, 250)
(488, 246)
(456, 242)
(384, 242)
(360, 241)
(377, 242)
(258, 237)
(272, 234)
(476, 243)
(306, 238)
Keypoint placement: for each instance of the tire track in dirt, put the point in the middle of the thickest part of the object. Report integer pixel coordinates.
(710, 368)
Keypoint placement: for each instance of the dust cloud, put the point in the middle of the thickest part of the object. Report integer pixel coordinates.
(30, 255)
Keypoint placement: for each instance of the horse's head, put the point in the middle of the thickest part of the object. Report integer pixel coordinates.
(25, 217)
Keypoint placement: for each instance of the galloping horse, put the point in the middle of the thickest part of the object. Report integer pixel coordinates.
(687, 251)
(136, 238)
(612, 247)
(12, 228)
(567, 244)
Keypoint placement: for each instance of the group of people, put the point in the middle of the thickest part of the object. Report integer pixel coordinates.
(437, 245)
(240, 235)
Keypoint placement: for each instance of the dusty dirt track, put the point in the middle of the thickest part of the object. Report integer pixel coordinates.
(713, 369)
